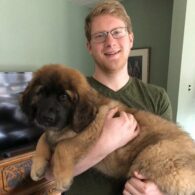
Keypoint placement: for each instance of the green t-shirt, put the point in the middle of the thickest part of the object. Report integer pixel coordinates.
(134, 94)
(139, 95)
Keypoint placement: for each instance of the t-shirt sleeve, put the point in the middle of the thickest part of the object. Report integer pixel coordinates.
(164, 107)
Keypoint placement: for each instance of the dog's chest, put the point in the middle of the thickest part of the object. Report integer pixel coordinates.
(53, 137)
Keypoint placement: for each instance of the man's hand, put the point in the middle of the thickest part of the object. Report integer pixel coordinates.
(139, 185)
(118, 131)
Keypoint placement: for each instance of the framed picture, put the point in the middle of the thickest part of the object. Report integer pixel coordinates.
(138, 64)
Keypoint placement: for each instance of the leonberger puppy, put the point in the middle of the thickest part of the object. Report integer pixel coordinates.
(60, 100)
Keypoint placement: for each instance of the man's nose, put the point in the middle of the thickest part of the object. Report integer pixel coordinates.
(109, 39)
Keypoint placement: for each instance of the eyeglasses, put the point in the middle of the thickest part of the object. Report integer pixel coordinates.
(116, 33)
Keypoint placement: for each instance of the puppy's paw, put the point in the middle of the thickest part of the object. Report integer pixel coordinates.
(38, 169)
(63, 184)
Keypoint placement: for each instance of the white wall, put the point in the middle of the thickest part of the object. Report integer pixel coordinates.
(186, 101)
(181, 76)
(37, 32)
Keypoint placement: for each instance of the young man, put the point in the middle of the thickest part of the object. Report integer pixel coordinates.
(109, 40)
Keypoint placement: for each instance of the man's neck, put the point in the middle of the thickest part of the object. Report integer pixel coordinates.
(114, 81)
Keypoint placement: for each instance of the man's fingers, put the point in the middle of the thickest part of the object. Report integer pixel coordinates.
(132, 120)
(139, 176)
(112, 112)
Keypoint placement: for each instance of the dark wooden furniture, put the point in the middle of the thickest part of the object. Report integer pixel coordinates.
(15, 179)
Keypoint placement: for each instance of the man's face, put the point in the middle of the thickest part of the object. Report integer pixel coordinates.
(112, 54)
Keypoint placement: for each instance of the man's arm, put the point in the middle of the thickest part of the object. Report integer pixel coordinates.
(117, 131)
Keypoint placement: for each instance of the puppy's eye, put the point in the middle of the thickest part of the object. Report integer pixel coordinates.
(63, 97)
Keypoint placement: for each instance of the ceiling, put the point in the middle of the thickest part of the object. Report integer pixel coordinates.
(89, 3)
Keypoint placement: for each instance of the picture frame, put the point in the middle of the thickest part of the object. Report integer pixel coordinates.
(138, 64)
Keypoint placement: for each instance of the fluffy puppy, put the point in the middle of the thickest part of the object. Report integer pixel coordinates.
(60, 100)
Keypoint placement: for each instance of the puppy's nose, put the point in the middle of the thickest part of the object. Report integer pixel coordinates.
(48, 119)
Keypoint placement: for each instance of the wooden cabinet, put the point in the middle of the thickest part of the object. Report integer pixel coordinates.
(15, 177)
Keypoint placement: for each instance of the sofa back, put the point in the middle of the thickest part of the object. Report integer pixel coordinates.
(16, 134)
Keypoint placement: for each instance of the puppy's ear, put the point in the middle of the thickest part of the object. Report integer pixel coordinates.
(26, 99)
(85, 112)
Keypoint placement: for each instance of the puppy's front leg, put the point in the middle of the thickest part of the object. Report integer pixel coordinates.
(68, 152)
(40, 159)
(63, 166)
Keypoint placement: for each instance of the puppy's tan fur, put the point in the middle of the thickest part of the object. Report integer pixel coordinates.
(162, 152)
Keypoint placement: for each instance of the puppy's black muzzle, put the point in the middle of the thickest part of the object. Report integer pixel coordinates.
(48, 113)
(48, 119)
(52, 114)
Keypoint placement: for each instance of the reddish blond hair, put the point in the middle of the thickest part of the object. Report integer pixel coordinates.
(107, 7)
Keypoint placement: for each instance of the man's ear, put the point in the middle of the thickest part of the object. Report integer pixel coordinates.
(88, 45)
(131, 39)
